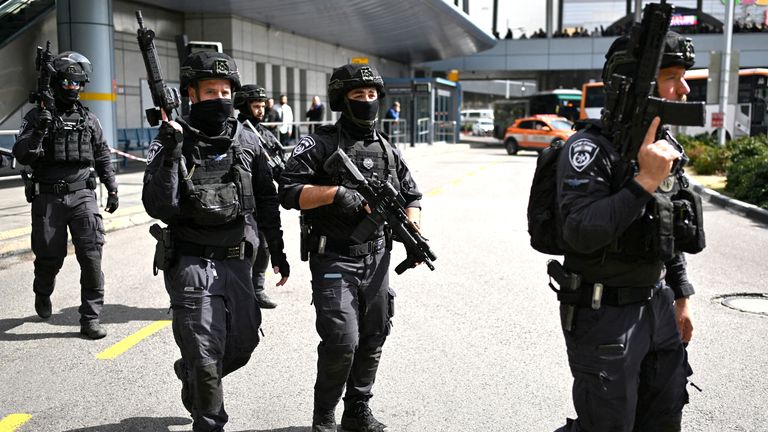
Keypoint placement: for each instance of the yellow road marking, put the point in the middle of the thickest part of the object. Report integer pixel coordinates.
(124, 345)
(11, 422)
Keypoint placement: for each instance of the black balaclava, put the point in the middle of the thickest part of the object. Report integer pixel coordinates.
(65, 98)
(359, 118)
(210, 116)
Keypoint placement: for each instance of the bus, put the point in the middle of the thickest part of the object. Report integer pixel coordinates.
(561, 102)
(747, 116)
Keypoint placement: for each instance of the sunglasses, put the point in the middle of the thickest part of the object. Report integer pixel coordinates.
(70, 83)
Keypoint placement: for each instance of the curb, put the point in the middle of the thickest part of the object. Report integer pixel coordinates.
(749, 211)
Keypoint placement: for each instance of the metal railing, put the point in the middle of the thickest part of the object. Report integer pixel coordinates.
(397, 131)
(445, 131)
(422, 130)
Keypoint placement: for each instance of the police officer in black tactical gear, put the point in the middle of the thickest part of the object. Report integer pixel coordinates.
(350, 282)
(251, 102)
(629, 326)
(61, 143)
(209, 179)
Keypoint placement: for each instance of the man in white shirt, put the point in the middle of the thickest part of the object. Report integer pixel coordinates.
(286, 115)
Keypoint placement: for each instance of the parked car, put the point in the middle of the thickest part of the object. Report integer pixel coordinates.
(536, 133)
(483, 127)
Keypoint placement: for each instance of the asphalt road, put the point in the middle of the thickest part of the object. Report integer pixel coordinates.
(476, 344)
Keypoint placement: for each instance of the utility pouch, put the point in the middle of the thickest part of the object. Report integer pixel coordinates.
(662, 235)
(688, 222)
(304, 238)
(164, 251)
(30, 186)
(90, 182)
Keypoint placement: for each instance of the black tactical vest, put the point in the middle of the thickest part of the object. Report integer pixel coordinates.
(70, 138)
(220, 189)
(373, 158)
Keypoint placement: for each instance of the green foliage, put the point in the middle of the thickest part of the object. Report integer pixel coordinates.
(748, 170)
(705, 155)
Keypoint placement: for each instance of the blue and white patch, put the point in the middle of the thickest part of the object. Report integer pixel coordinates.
(23, 126)
(153, 150)
(582, 153)
(305, 143)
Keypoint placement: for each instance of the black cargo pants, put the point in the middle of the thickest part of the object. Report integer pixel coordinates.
(629, 367)
(354, 307)
(215, 324)
(51, 215)
(261, 264)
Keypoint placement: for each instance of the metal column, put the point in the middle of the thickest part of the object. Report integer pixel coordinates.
(726, 69)
(86, 26)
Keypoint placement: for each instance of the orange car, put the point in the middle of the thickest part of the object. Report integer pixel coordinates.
(536, 133)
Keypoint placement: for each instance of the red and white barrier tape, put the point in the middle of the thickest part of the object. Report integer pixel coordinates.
(128, 155)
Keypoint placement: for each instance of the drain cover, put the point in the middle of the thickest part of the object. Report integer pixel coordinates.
(747, 302)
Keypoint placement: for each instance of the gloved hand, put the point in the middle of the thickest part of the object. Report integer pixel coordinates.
(44, 119)
(349, 200)
(171, 138)
(279, 260)
(112, 202)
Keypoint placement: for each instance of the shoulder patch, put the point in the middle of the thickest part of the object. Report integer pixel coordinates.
(581, 153)
(306, 143)
(153, 150)
(23, 126)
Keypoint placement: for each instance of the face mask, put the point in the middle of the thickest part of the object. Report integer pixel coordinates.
(362, 113)
(66, 96)
(210, 115)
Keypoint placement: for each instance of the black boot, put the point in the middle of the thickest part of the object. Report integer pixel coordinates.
(43, 306)
(263, 301)
(93, 329)
(358, 417)
(181, 374)
(323, 421)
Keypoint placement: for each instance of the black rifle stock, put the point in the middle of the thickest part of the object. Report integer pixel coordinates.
(386, 207)
(45, 71)
(630, 101)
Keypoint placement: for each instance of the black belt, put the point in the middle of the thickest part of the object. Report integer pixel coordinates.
(62, 187)
(240, 251)
(611, 296)
(324, 244)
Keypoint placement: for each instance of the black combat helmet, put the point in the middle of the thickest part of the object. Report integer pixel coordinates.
(73, 66)
(247, 94)
(678, 51)
(209, 65)
(352, 76)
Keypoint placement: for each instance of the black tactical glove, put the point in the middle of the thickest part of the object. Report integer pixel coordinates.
(44, 119)
(112, 202)
(278, 257)
(349, 200)
(171, 139)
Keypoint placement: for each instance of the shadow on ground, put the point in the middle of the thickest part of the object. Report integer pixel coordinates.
(70, 317)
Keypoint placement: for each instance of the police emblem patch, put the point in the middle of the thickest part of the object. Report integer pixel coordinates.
(368, 163)
(668, 184)
(153, 150)
(306, 143)
(582, 153)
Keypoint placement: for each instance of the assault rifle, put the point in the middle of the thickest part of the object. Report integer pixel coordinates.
(630, 79)
(386, 207)
(45, 71)
(163, 97)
